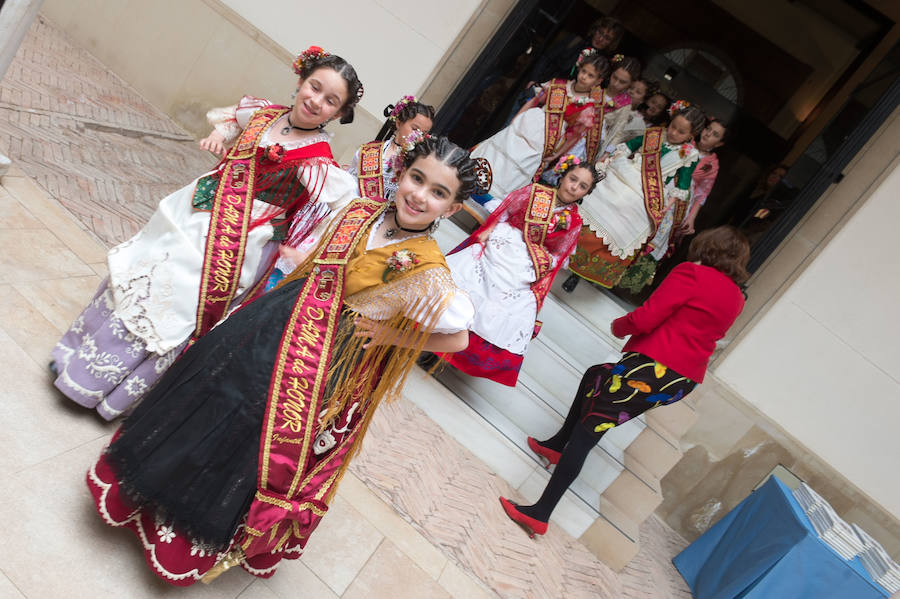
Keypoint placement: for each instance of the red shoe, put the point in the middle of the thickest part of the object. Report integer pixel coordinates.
(551, 457)
(530, 525)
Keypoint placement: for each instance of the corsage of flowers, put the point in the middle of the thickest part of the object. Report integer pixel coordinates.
(562, 220)
(565, 163)
(400, 105)
(311, 53)
(400, 261)
(685, 149)
(274, 153)
(678, 105)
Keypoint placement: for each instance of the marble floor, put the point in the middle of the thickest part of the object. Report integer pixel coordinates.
(416, 517)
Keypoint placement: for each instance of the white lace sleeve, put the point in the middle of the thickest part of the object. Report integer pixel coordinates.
(224, 121)
(458, 316)
(231, 120)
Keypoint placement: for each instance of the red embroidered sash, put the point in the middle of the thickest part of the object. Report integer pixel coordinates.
(230, 223)
(371, 165)
(592, 138)
(292, 484)
(537, 225)
(554, 119)
(651, 176)
(554, 113)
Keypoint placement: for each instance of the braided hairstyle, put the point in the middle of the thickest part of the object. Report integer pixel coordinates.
(313, 63)
(695, 116)
(408, 111)
(630, 64)
(450, 154)
(599, 62)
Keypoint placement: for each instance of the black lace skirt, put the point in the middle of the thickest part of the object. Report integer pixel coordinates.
(190, 449)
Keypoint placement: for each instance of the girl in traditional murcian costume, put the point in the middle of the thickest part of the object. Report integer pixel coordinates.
(645, 177)
(676, 224)
(209, 243)
(673, 334)
(377, 164)
(234, 456)
(507, 267)
(564, 113)
(629, 121)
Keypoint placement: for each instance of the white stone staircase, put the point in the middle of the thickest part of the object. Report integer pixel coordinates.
(619, 485)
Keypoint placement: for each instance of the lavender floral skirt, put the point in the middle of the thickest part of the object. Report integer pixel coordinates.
(103, 366)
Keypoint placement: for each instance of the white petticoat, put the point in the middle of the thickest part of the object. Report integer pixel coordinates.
(514, 152)
(499, 284)
(155, 275)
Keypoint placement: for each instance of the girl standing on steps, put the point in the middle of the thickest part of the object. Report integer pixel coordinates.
(234, 456)
(209, 243)
(647, 176)
(676, 224)
(563, 113)
(673, 334)
(377, 163)
(508, 265)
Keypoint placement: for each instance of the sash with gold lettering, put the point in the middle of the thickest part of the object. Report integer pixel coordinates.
(230, 223)
(292, 484)
(371, 166)
(554, 120)
(651, 176)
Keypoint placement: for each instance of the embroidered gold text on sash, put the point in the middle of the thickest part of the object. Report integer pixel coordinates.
(287, 489)
(230, 223)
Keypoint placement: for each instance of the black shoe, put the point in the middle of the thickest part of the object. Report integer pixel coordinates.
(570, 283)
(53, 369)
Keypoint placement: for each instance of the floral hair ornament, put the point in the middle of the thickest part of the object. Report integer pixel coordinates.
(401, 104)
(677, 106)
(584, 54)
(408, 145)
(617, 59)
(309, 55)
(565, 163)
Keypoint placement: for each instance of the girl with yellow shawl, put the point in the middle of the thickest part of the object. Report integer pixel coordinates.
(234, 456)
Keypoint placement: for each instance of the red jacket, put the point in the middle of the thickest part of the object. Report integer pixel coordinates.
(679, 324)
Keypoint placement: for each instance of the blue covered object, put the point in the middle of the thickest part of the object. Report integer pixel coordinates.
(766, 548)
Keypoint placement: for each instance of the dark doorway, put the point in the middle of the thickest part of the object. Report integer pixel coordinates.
(728, 63)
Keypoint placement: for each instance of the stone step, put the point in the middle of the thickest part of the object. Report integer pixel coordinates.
(636, 491)
(614, 537)
(516, 464)
(673, 421)
(652, 452)
(517, 414)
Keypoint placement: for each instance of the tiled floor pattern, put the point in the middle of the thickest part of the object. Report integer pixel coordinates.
(89, 139)
(418, 517)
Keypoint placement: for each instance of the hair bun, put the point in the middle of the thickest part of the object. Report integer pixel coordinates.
(484, 176)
